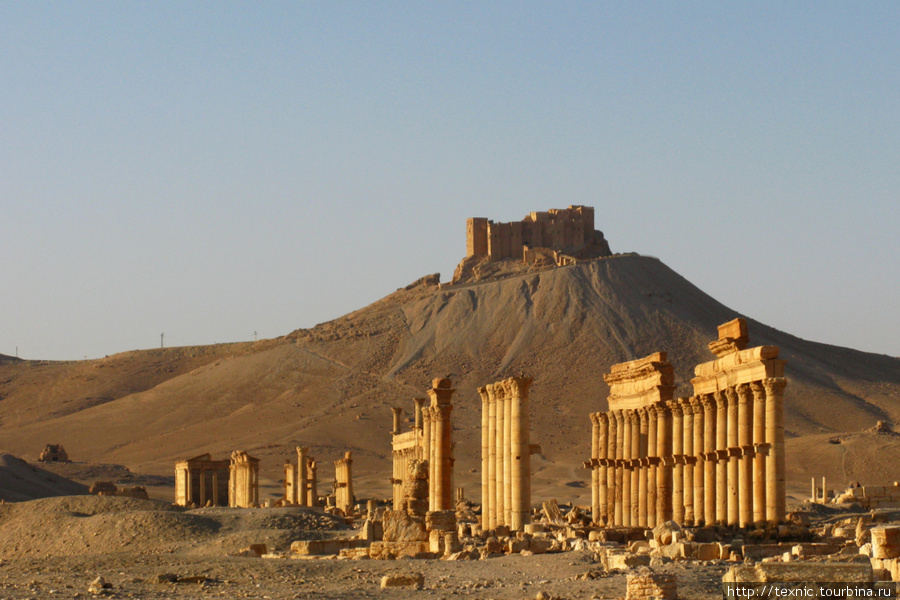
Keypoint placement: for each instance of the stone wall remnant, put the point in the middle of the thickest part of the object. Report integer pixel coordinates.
(243, 481)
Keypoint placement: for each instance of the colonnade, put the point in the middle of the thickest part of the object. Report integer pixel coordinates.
(438, 445)
(505, 454)
(715, 457)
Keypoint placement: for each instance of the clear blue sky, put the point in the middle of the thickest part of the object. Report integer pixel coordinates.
(212, 169)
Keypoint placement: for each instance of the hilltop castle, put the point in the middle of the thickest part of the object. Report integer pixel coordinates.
(558, 236)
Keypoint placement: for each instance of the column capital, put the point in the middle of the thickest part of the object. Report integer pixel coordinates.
(708, 401)
(758, 389)
(685, 404)
(744, 392)
(516, 386)
(595, 418)
(774, 385)
(732, 396)
(618, 415)
(441, 391)
(674, 408)
(441, 412)
(643, 414)
(721, 400)
(483, 393)
(602, 417)
(661, 409)
(697, 405)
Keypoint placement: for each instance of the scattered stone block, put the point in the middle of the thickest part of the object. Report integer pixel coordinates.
(647, 585)
(415, 581)
(885, 542)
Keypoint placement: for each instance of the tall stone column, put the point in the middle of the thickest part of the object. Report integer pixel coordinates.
(602, 447)
(664, 470)
(759, 458)
(745, 441)
(775, 465)
(653, 461)
(642, 469)
(626, 468)
(595, 469)
(499, 409)
(426, 448)
(721, 458)
(635, 466)
(677, 455)
(687, 450)
(313, 483)
(699, 463)
(442, 450)
(733, 470)
(517, 391)
(302, 478)
(620, 455)
(709, 447)
(611, 469)
(507, 456)
(486, 454)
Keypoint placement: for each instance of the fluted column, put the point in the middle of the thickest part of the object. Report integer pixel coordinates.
(517, 391)
(611, 469)
(721, 458)
(635, 465)
(733, 470)
(486, 455)
(775, 464)
(664, 471)
(678, 468)
(302, 479)
(641, 469)
(653, 460)
(709, 464)
(759, 458)
(313, 483)
(699, 463)
(620, 454)
(420, 404)
(745, 441)
(687, 451)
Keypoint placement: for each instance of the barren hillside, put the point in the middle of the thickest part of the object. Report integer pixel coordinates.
(330, 387)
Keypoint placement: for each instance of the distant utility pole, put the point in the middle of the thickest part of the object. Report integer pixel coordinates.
(161, 340)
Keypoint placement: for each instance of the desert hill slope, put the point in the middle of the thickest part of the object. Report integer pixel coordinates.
(330, 387)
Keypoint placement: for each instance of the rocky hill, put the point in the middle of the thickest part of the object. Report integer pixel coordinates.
(330, 387)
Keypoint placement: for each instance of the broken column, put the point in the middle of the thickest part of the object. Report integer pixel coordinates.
(343, 484)
(302, 477)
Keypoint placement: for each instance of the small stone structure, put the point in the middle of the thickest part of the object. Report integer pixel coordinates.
(201, 480)
(644, 584)
(243, 482)
(53, 453)
(505, 454)
(343, 484)
(716, 457)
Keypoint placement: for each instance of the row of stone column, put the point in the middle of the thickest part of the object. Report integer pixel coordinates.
(712, 458)
(300, 479)
(505, 454)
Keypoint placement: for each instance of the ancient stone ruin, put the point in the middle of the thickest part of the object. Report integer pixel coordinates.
(300, 487)
(343, 484)
(201, 480)
(716, 457)
(53, 453)
(505, 454)
(243, 481)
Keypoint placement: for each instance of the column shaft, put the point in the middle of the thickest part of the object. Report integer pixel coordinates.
(721, 458)
(485, 457)
(775, 465)
(745, 441)
(699, 464)
(759, 458)
(642, 469)
(678, 469)
(620, 453)
(709, 464)
(626, 469)
(603, 444)
(664, 470)
(732, 429)
(688, 452)
(611, 469)
(653, 457)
